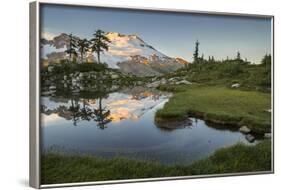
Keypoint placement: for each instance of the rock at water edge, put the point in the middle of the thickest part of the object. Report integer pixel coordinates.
(250, 138)
(244, 129)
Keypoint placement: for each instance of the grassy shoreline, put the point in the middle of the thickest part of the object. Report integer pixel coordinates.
(218, 104)
(60, 168)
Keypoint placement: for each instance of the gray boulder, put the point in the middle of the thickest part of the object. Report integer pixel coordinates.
(114, 76)
(76, 74)
(267, 135)
(236, 85)
(153, 84)
(139, 83)
(52, 88)
(50, 68)
(183, 82)
(81, 74)
(76, 91)
(114, 87)
(244, 129)
(163, 81)
(173, 79)
(250, 138)
(154, 79)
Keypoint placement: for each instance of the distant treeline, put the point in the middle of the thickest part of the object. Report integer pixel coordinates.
(229, 71)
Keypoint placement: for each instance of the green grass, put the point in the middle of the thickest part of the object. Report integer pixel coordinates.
(219, 105)
(226, 73)
(60, 168)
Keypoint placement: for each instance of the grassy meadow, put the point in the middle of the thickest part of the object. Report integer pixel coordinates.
(219, 105)
(62, 168)
(212, 97)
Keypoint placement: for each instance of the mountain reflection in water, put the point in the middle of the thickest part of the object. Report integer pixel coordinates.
(103, 109)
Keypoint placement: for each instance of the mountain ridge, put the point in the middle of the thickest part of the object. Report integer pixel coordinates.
(128, 53)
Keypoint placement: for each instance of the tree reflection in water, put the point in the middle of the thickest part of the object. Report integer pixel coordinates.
(74, 109)
(85, 112)
(102, 115)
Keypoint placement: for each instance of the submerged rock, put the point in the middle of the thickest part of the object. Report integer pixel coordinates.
(173, 124)
(250, 138)
(244, 129)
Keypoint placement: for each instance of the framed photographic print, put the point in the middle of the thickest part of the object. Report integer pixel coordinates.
(128, 94)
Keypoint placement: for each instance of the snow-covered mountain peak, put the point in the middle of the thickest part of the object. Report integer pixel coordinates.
(112, 35)
(125, 52)
(125, 47)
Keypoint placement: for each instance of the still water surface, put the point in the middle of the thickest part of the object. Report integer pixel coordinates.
(122, 124)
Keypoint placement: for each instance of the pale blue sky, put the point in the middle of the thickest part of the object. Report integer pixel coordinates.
(174, 34)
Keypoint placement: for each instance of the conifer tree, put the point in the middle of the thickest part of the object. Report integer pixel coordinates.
(83, 47)
(71, 47)
(238, 57)
(99, 43)
(196, 52)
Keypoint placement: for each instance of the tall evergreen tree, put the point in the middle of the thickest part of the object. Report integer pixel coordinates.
(266, 60)
(71, 47)
(238, 57)
(99, 43)
(196, 52)
(83, 47)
